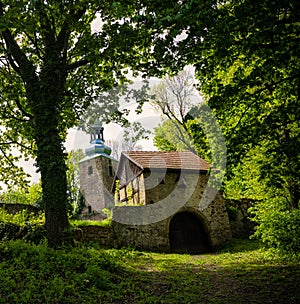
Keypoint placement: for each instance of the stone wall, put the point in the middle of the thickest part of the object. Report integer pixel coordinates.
(147, 227)
(103, 235)
(240, 218)
(15, 208)
(152, 237)
(118, 235)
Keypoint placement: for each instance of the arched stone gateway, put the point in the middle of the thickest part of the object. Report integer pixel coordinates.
(187, 234)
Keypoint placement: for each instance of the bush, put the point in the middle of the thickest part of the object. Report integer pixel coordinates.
(22, 225)
(38, 274)
(278, 228)
(28, 196)
(9, 231)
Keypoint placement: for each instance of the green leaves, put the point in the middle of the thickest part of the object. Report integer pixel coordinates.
(54, 64)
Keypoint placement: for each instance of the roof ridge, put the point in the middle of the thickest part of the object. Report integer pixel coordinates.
(181, 160)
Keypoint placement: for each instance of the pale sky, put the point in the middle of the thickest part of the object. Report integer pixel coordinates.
(80, 140)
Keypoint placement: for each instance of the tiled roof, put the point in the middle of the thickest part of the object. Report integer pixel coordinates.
(170, 160)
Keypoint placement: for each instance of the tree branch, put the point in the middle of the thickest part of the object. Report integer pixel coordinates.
(77, 64)
(17, 58)
(7, 158)
(64, 33)
(34, 42)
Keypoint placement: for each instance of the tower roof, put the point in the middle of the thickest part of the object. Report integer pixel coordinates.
(97, 146)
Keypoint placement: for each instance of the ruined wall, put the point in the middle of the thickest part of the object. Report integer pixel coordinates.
(153, 237)
(15, 208)
(103, 235)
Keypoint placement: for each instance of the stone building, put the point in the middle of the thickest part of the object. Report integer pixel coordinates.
(164, 201)
(97, 171)
(167, 203)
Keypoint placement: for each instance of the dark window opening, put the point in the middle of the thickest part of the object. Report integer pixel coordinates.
(89, 209)
(110, 170)
(187, 234)
(90, 170)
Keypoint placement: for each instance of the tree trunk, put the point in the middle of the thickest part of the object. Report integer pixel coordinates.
(294, 194)
(50, 151)
(51, 164)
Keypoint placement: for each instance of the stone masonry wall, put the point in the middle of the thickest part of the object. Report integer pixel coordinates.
(96, 181)
(150, 224)
(147, 227)
(15, 208)
(103, 235)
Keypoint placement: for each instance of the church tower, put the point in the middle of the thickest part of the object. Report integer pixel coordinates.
(97, 170)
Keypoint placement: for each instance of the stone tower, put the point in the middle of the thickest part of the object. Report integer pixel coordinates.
(97, 170)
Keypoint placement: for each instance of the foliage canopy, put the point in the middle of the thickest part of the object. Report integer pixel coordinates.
(54, 63)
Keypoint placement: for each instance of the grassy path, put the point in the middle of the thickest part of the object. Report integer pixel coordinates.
(241, 274)
(244, 274)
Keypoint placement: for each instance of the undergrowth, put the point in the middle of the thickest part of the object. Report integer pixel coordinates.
(240, 273)
(22, 225)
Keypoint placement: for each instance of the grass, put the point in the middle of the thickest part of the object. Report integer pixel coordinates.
(240, 273)
(79, 223)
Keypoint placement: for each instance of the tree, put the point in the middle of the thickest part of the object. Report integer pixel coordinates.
(173, 98)
(30, 196)
(112, 105)
(131, 134)
(53, 65)
(166, 137)
(73, 180)
(246, 56)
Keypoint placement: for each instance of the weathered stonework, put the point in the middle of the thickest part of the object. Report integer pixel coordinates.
(166, 208)
(103, 235)
(15, 208)
(155, 235)
(96, 178)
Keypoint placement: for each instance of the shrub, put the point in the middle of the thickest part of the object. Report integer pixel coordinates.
(79, 223)
(38, 274)
(278, 227)
(29, 196)
(22, 225)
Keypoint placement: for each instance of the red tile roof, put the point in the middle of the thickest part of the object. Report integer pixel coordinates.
(170, 160)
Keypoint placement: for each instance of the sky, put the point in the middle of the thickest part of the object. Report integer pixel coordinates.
(77, 139)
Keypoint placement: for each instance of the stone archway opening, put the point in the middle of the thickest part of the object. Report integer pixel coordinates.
(187, 234)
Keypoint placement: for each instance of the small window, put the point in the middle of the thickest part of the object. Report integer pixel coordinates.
(90, 170)
(89, 209)
(110, 169)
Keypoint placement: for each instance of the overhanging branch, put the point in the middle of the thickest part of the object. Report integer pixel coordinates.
(77, 64)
